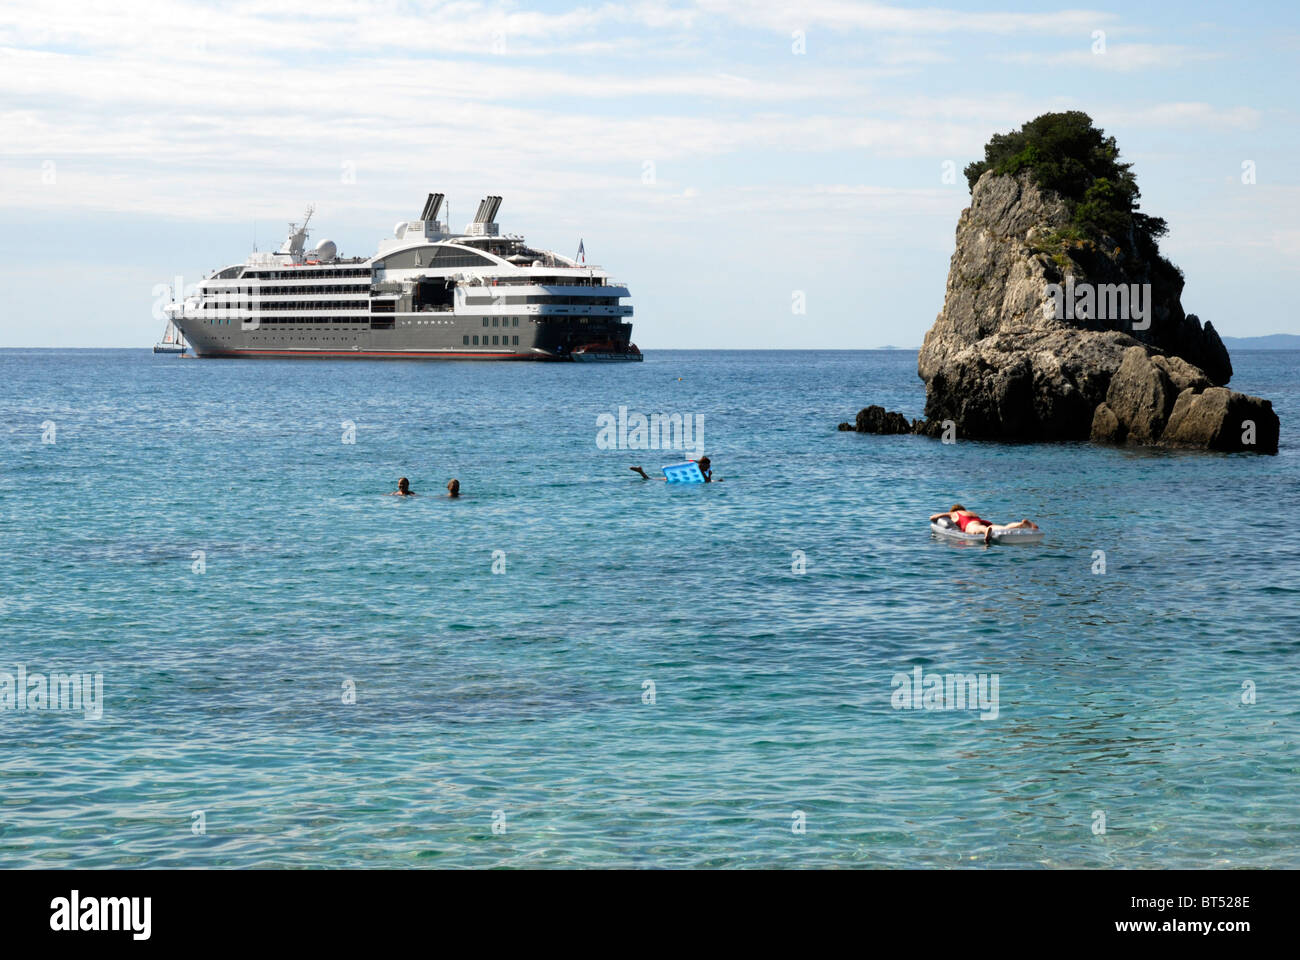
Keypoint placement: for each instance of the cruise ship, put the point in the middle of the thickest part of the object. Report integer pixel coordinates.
(426, 294)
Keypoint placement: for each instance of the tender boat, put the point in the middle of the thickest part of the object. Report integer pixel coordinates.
(607, 352)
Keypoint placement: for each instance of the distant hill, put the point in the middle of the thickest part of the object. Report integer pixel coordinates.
(1274, 341)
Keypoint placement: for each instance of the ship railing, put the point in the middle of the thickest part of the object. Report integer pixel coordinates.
(548, 282)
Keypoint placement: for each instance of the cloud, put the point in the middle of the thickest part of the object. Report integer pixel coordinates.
(778, 15)
(174, 29)
(180, 109)
(1203, 116)
(1120, 57)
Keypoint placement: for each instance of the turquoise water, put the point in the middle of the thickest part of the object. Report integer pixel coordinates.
(523, 692)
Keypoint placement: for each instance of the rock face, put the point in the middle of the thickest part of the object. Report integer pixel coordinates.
(1006, 360)
(1141, 396)
(1165, 400)
(1222, 419)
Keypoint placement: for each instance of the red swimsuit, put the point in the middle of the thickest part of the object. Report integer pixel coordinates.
(965, 520)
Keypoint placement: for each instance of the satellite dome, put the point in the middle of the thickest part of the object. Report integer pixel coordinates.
(325, 250)
(399, 229)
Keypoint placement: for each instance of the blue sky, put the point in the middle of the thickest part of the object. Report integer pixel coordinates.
(718, 156)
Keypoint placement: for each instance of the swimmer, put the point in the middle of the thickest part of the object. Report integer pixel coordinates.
(970, 523)
(403, 489)
(702, 463)
(453, 488)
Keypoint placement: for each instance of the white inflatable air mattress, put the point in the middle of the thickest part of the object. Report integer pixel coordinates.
(944, 527)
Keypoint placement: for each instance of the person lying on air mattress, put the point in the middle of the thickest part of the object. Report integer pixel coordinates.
(969, 522)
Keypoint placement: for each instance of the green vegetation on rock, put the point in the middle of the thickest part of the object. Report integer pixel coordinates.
(1065, 153)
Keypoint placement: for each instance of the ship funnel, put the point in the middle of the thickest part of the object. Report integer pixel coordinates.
(484, 224)
(487, 210)
(431, 207)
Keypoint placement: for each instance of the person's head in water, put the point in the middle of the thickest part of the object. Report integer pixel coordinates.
(703, 464)
(453, 487)
(404, 486)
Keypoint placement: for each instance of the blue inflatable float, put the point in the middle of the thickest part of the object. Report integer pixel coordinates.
(688, 472)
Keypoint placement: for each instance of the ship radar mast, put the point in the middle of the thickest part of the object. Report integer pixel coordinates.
(296, 242)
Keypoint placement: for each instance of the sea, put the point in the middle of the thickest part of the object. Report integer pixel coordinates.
(264, 660)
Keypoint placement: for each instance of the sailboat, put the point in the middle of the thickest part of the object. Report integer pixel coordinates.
(172, 341)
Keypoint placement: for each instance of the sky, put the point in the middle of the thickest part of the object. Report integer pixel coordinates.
(728, 160)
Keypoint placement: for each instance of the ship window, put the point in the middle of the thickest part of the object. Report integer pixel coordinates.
(485, 321)
(516, 341)
(465, 339)
(495, 341)
(434, 257)
(514, 322)
(476, 339)
(494, 321)
(458, 257)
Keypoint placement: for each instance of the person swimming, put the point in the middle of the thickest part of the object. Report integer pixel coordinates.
(969, 522)
(453, 488)
(703, 463)
(403, 489)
